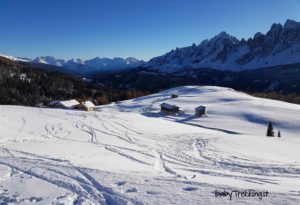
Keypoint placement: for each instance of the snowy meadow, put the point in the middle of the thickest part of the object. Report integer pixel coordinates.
(132, 153)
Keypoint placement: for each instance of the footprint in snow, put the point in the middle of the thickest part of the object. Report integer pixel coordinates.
(131, 190)
(190, 189)
(153, 192)
(121, 183)
(35, 199)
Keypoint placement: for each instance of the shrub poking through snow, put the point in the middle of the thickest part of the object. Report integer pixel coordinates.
(279, 134)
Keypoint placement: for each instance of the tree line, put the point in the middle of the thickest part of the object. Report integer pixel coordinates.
(290, 97)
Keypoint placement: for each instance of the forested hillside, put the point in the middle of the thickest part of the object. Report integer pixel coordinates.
(25, 84)
(278, 82)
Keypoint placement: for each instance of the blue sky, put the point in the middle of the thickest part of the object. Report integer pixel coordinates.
(124, 28)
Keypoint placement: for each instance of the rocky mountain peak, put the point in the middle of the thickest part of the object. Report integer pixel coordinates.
(280, 45)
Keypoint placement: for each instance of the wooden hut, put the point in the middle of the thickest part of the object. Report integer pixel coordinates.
(68, 104)
(53, 103)
(88, 106)
(168, 108)
(200, 111)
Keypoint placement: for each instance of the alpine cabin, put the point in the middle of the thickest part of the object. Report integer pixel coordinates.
(168, 108)
(88, 106)
(68, 104)
(174, 96)
(200, 111)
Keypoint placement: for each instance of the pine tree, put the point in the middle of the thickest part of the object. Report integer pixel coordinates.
(270, 131)
(279, 134)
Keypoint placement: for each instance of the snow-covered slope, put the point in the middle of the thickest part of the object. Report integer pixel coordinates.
(129, 153)
(224, 106)
(279, 46)
(15, 58)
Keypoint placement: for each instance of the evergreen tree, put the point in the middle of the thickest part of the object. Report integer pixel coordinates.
(279, 134)
(270, 131)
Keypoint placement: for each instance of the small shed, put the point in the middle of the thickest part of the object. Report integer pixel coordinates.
(168, 108)
(200, 111)
(53, 103)
(88, 106)
(174, 96)
(69, 104)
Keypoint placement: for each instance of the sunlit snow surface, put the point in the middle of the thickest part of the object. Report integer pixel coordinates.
(130, 153)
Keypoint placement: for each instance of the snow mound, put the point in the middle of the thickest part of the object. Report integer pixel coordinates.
(226, 109)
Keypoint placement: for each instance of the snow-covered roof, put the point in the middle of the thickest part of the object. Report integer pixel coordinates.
(168, 106)
(53, 103)
(69, 103)
(200, 107)
(88, 104)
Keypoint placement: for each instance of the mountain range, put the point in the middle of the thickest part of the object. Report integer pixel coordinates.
(82, 67)
(97, 64)
(279, 46)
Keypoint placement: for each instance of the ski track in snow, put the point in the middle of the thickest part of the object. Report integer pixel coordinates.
(188, 160)
(76, 180)
(23, 124)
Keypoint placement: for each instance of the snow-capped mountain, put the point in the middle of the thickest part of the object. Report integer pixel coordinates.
(96, 64)
(279, 46)
(75, 65)
(83, 67)
(112, 63)
(15, 58)
(49, 60)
